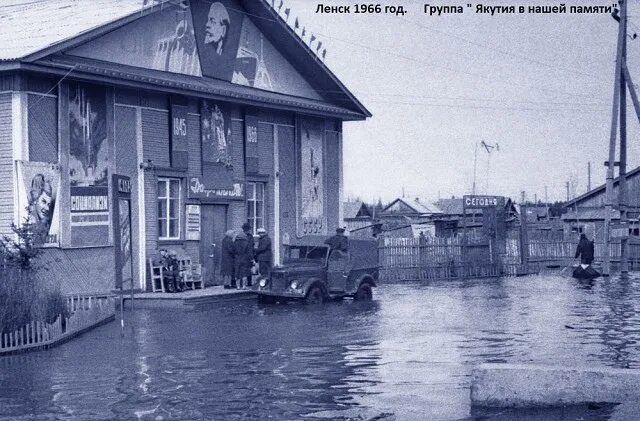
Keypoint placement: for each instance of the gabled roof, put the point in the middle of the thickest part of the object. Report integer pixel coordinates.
(34, 30)
(413, 206)
(355, 209)
(28, 27)
(600, 189)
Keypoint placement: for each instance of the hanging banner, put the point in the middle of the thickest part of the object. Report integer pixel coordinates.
(38, 186)
(217, 26)
(179, 141)
(251, 143)
(193, 222)
(217, 165)
(88, 166)
(312, 216)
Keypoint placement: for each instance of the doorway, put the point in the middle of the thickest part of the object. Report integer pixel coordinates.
(214, 225)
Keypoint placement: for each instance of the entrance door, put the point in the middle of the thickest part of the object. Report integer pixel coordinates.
(214, 225)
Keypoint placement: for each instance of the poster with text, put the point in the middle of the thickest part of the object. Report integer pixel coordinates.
(38, 187)
(88, 166)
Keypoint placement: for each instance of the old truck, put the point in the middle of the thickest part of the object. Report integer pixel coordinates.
(313, 273)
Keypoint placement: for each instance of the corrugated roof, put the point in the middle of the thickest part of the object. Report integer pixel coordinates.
(27, 27)
(589, 214)
(600, 189)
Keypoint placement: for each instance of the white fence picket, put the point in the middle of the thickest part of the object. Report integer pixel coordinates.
(85, 312)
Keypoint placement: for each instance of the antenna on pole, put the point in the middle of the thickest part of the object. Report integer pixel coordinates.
(489, 148)
(475, 165)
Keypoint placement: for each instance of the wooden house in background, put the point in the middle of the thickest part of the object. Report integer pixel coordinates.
(586, 213)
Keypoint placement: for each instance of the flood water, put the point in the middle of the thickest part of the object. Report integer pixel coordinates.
(406, 355)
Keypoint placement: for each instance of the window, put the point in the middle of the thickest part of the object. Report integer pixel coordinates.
(255, 205)
(168, 209)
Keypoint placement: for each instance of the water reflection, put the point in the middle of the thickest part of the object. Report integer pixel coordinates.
(407, 355)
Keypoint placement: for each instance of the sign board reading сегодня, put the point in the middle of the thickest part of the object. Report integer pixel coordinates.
(480, 201)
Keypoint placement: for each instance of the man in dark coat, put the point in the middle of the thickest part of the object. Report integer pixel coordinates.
(243, 259)
(339, 241)
(227, 260)
(263, 253)
(248, 231)
(584, 250)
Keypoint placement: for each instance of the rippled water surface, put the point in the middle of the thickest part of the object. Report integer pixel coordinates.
(406, 355)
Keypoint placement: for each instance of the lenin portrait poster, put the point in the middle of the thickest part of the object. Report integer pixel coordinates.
(217, 26)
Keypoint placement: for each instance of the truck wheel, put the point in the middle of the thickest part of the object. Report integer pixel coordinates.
(364, 293)
(314, 296)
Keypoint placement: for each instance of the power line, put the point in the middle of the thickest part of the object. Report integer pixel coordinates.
(486, 107)
(507, 53)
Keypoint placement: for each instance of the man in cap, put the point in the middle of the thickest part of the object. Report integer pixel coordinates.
(263, 253)
(339, 241)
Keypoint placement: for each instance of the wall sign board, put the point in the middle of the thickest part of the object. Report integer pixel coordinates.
(204, 190)
(193, 222)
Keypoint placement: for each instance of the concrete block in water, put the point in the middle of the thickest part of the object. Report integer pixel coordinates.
(514, 385)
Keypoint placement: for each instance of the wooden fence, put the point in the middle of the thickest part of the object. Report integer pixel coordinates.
(436, 258)
(86, 312)
(442, 258)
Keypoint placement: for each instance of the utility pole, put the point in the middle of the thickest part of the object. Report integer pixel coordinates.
(522, 197)
(567, 184)
(589, 176)
(622, 169)
(546, 195)
(617, 94)
(535, 198)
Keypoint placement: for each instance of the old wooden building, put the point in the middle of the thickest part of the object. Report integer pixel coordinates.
(124, 129)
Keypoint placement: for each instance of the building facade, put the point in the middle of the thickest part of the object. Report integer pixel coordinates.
(127, 129)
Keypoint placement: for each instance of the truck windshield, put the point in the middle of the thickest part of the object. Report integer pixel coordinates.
(306, 253)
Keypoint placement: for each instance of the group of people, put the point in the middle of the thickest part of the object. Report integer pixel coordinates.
(171, 271)
(240, 253)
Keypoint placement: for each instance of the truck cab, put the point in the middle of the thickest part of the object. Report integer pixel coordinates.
(313, 273)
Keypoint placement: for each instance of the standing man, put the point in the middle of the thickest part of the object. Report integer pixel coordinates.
(339, 241)
(243, 259)
(263, 253)
(584, 250)
(227, 260)
(248, 231)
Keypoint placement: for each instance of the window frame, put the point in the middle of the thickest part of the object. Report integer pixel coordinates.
(252, 191)
(167, 199)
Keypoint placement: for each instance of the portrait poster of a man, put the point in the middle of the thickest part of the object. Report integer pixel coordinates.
(217, 27)
(38, 184)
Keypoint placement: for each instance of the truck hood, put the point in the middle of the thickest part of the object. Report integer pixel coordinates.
(297, 268)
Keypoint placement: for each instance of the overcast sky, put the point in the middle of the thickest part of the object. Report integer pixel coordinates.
(540, 86)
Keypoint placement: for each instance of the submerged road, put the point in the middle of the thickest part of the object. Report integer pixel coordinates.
(406, 355)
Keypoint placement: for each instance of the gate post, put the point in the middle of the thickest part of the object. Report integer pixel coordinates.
(524, 238)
